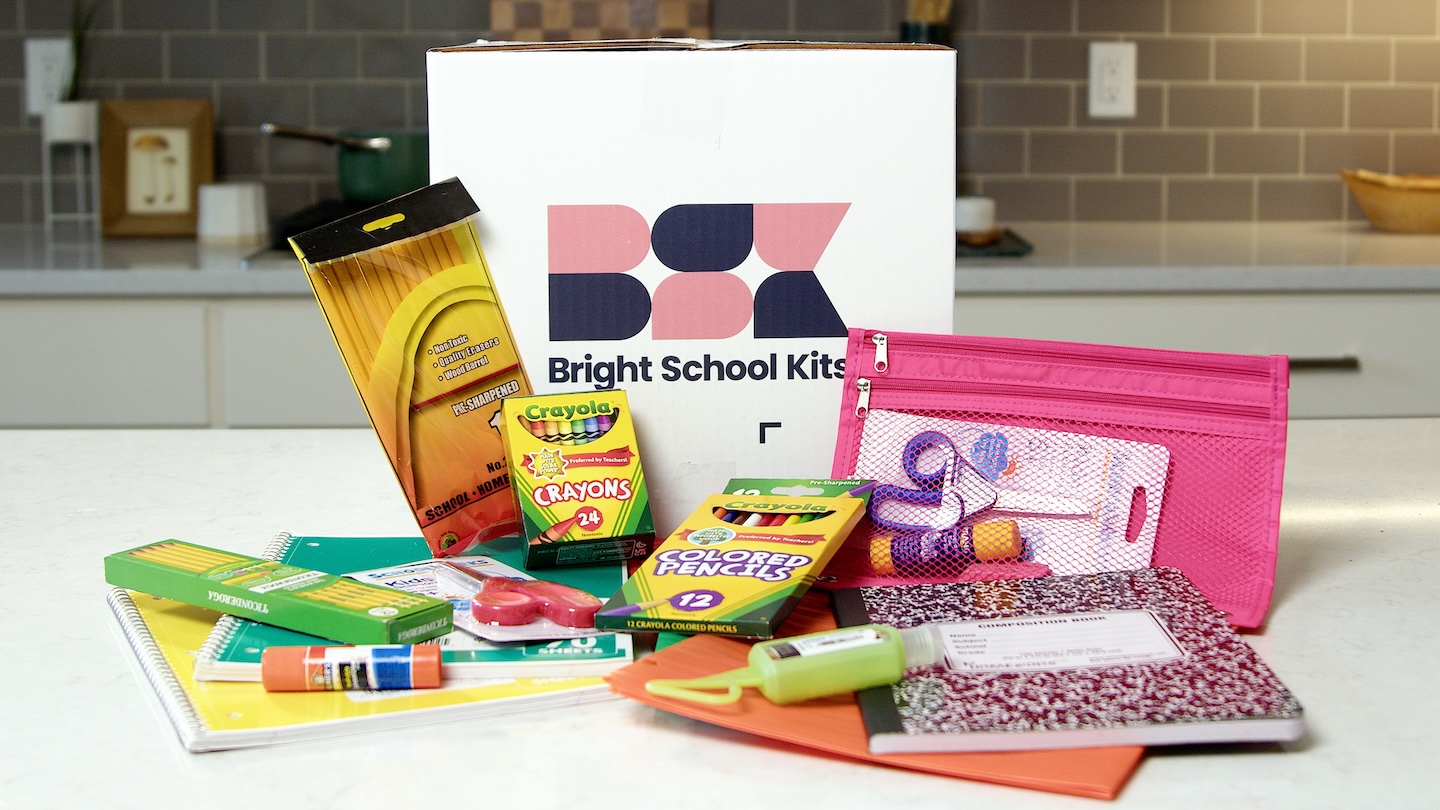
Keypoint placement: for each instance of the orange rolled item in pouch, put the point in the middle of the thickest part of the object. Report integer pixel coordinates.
(411, 304)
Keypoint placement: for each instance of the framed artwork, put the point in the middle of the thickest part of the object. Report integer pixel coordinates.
(572, 20)
(154, 156)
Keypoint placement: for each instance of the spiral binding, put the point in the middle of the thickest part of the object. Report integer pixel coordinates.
(173, 698)
(227, 626)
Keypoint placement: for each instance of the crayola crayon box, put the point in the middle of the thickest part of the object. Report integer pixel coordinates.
(575, 469)
(286, 596)
(408, 297)
(736, 566)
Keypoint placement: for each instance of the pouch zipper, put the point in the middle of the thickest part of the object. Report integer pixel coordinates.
(882, 352)
(864, 387)
(1131, 361)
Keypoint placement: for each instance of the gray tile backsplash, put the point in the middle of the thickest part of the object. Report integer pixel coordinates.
(1246, 109)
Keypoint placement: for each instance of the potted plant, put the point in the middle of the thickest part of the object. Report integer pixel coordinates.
(72, 119)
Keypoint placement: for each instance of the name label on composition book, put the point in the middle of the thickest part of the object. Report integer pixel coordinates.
(1060, 642)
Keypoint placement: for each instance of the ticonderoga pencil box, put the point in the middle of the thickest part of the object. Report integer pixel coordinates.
(575, 469)
(736, 566)
(286, 596)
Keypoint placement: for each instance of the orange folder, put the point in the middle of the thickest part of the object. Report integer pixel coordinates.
(833, 724)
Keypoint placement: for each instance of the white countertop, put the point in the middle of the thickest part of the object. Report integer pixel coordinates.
(1068, 257)
(32, 267)
(1352, 631)
(1134, 257)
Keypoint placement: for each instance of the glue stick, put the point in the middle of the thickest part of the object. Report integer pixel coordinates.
(789, 670)
(319, 669)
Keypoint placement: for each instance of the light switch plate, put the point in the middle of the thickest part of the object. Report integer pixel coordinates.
(47, 70)
(1112, 80)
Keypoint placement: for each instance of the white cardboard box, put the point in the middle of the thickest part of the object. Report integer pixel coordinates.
(698, 222)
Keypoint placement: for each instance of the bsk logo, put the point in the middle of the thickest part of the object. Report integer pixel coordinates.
(593, 249)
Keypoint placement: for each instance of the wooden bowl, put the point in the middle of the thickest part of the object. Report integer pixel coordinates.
(1401, 203)
(979, 238)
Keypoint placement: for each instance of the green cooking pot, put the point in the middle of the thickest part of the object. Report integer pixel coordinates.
(375, 165)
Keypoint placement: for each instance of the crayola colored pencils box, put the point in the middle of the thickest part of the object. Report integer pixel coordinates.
(575, 469)
(286, 596)
(736, 566)
(408, 297)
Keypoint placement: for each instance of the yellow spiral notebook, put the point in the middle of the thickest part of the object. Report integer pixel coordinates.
(164, 636)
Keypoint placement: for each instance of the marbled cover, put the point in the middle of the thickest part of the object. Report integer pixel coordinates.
(1220, 691)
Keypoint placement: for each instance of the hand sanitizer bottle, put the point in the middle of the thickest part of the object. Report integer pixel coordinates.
(789, 670)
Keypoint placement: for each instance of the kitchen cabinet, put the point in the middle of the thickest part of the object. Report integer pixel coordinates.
(115, 362)
(103, 363)
(1357, 311)
(1353, 354)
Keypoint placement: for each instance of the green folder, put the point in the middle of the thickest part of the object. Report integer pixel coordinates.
(232, 650)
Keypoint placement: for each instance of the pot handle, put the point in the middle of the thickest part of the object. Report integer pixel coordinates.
(366, 144)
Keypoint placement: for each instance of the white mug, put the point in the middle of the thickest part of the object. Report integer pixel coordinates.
(974, 214)
(233, 213)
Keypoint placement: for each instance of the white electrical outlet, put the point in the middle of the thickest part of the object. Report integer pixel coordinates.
(1112, 80)
(47, 71)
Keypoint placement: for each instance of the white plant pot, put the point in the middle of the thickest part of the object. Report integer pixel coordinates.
(71, 122)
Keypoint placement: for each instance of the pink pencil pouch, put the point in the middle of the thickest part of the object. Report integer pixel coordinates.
(999, 458)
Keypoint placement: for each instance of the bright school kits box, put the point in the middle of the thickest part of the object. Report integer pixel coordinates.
(697, 223)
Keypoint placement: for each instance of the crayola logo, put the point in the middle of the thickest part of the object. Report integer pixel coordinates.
(567, 412)
(594, 248)
(754, 506)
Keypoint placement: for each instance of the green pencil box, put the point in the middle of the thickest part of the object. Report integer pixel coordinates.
(286, 596)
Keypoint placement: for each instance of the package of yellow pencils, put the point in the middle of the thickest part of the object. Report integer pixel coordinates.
(410, 301)
(287, 596)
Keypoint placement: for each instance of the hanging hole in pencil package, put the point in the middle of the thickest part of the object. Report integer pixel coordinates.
(408, 296)
(1003, 458)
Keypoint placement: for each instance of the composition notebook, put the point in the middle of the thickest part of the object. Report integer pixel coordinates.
(164, 635)
(1125, 658)
(232, 652)
(834, 726)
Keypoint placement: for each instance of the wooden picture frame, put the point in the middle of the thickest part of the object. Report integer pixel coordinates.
(154, 156)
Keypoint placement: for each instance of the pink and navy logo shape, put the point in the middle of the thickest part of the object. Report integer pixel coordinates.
(594, 248)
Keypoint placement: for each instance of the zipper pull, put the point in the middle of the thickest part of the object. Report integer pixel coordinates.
(862, 405)
(882, 352)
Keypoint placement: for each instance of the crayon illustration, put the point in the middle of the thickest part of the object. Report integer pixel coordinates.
(569, 432)
(556, 532)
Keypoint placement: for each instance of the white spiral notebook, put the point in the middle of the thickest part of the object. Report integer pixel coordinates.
(164, 635)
